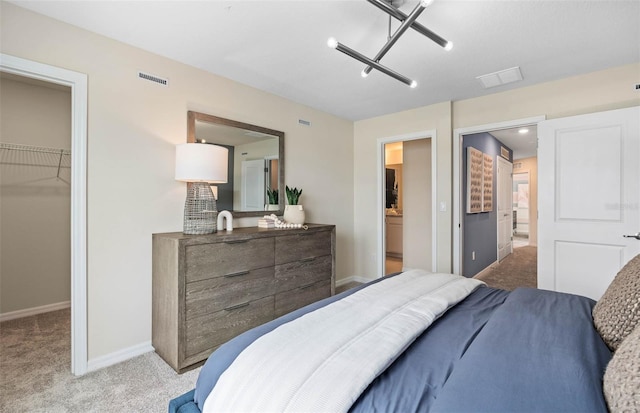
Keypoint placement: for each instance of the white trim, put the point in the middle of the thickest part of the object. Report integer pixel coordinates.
(78, 84)
(486, 270)
(457, 178)
(353, 278)
(12, 315)
(119, 356)
(427, 134)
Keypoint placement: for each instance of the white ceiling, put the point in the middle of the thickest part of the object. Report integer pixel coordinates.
(280, 46)
(523, 145)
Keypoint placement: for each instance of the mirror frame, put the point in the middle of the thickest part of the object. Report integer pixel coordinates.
(193, 116)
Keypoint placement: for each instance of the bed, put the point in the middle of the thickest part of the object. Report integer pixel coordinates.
(419, 342)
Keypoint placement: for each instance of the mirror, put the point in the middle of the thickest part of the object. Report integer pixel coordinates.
(256, 163)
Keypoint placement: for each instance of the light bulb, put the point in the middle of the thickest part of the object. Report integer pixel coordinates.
(364, 73)
(332, 42)
(425, 3)
(413, 84)
(449, 46)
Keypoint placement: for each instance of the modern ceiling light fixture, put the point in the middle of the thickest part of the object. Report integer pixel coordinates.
(407, 21)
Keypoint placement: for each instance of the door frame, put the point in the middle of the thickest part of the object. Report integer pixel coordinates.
(78, 84)
(426, 134)
(458, 230)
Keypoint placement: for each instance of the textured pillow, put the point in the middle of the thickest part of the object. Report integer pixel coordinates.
(617, 313)
(622, 378)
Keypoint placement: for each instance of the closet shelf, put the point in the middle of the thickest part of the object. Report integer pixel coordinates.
(17, 155)
(30, 148)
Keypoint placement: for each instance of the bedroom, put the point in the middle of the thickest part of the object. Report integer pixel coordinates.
(123, 125)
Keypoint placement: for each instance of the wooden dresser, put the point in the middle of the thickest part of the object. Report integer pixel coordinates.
(208, 289)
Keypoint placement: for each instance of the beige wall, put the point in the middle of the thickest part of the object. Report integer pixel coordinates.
(593, 92)
(598, 91)
(133, 126)
(35, 239)
(366, 134)
(530, 165)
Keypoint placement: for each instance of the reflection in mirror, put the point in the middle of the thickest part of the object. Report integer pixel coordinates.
(256, 163)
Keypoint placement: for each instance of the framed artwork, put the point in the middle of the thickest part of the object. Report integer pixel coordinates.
(474, 180)
(487, 183)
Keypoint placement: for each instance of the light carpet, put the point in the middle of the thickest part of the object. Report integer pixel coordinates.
(518, 269)
(35, 360)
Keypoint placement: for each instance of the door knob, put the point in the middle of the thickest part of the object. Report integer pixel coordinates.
(636, 236)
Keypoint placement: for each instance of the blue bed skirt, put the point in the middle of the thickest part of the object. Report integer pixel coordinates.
(184, 403)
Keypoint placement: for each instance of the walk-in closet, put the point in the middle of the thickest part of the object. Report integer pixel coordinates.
(35, 188)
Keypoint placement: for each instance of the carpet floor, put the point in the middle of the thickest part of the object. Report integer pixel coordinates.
(519, 269)
(35, 360)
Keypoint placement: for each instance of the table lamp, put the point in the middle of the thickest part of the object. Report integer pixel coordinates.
(200, 165)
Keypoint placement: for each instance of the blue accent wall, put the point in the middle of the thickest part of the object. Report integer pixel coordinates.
(480, 229)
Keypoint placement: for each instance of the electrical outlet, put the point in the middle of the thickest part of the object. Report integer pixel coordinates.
(473, 255)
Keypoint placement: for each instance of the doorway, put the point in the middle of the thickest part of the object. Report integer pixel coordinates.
(406, 198)
(523, 146)
(77, 82)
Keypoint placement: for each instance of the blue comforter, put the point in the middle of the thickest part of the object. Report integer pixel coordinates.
(529, 350)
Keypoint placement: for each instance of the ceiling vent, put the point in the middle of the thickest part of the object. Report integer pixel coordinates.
(304, 122)
(500, 78)
(153, 78)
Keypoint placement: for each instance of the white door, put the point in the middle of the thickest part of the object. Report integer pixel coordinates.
(253, 189)
(505, 208)
(589, 198)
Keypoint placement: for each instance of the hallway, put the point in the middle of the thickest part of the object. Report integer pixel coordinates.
(519, 269)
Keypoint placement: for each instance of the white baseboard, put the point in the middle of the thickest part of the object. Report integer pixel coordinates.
(353, 278)
(119, 356)
(486, 270)
(34, 311)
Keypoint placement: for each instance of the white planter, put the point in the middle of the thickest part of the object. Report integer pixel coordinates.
(271, 207)
(294, 214)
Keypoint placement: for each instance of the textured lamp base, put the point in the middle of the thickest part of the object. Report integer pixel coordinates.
(200, 210)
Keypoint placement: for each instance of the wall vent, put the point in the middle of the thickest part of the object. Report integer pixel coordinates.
(304, 122)
(153, 78)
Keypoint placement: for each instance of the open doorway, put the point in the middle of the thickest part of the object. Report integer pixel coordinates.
(406, 188)
(77, 82)
(520, 138)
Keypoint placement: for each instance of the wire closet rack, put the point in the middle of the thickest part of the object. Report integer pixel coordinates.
(35, 163)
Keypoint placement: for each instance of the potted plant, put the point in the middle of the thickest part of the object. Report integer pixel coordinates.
(273, 205)
(293, 213)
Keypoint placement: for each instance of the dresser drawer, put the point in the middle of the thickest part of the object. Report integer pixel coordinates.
(205, 334)
(223, 258)
(295, 247)
(293, 299)
(217, 293)
(303, 272)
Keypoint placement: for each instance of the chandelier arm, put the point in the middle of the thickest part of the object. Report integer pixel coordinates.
(364, 59)
(399, 15)
(399, 32)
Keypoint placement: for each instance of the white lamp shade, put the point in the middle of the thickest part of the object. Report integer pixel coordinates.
(201, 162)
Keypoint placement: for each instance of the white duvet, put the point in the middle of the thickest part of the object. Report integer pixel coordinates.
(324, 360)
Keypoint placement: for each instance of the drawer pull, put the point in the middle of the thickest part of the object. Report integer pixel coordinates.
(236, 274)
(304, 287)
(235, 307)
(237, 241)
(308, 259)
